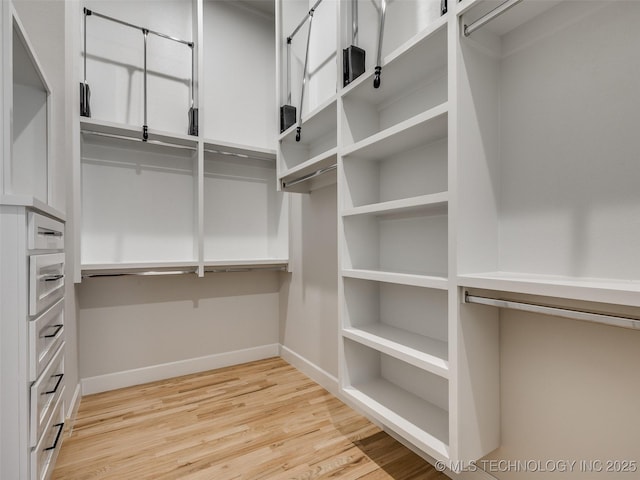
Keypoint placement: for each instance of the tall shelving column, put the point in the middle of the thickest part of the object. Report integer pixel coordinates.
(393, 229)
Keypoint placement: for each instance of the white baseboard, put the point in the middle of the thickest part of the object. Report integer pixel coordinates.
(138, 376)
(311, 370)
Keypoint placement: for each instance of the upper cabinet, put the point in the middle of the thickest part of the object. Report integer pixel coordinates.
(26, 118)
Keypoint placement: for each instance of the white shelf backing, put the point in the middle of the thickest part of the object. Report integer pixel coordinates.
(138, 202)
(307, 170)
(439, 282)
(422, 129)
(238, 95)
(244, 214)
(560, 207)
(422, 171)
(414, 82)
(115, 64)
(410, 401)
(28, 165)
(318, 137)
(408, 25)
(406, 322)
(434, 204)
(410, 242)
(621, 292)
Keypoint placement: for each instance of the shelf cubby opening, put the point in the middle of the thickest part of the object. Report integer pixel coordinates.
(244, 215)
(124, 180)
(407, 399)
(417, 335)
(115, 64)
(413, 82)
(417, 172)
(547, 171)
(408, 242)
(30, 143)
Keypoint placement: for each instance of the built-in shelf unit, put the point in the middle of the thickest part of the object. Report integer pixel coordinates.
(176, 202)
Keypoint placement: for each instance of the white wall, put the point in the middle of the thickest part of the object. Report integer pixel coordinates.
(569, 391)
(128, 323)
(308, 296)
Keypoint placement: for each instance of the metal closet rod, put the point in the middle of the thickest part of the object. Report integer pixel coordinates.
(149, 273)
(573, 314)
(309, 14)
(137, 139)
(496, 12)
(309, 176)
(143, 29)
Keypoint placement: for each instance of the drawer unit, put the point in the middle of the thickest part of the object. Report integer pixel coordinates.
(45, 393)
(46, 334)
(46, 281)
(43, 457)
(44, 233)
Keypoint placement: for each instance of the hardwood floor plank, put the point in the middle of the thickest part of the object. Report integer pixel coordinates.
(261, 420)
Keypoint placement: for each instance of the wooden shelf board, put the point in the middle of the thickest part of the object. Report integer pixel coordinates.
(415, 61)
(435, 204)
(623, 292)
(435, 282)
(315, 124)
(419, 130)
(422, 423)
(133, 132)
(423, 352)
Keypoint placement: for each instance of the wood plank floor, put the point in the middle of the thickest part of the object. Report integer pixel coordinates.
(261, 420)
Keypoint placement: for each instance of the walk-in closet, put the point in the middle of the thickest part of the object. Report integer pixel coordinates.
(295, 239)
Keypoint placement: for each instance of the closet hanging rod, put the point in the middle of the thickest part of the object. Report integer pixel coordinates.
(137, 139)
(149, 273)
(309, 176)
(240, 155)
(309, 14)
(282, 268)
(496, 12)
(573, 314)
(143, 29)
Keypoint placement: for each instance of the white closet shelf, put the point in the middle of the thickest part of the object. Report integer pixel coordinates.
(422, 423)
(433, 204)
(418, 130)
(88, 125)
(319, 162)
(31, 202)
(426, 281)
(623, 292)
(413, 63)
(420, 351)
(137, 267)
(315, 124)
(509, 20)
(249, 263)
(248, 151)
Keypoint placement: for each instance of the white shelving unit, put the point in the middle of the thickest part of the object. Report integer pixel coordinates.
(217, 191)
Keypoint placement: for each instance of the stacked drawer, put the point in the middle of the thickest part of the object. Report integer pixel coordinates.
(46, 341)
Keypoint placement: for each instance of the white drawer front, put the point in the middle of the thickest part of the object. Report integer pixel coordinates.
(46, 334)
(43, 457)
(45, 393)
(46, 281)
(45, 233)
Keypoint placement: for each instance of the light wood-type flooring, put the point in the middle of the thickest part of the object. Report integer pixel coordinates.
(261, 420)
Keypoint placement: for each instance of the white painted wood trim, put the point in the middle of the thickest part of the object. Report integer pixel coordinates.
(315, 373)
(138, 376)
(72, 411)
